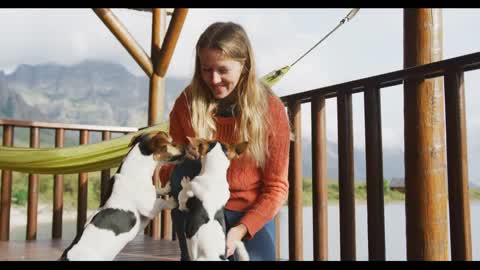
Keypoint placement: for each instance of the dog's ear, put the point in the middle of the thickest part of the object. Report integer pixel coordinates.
(135, 139)
(233, 151)
(241, 147)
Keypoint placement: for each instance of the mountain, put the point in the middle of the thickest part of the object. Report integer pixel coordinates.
(91, 92)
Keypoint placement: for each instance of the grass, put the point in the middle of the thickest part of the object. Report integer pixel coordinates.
(45, 189)
(361, 192)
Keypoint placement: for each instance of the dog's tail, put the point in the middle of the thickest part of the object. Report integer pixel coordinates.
(241, 252)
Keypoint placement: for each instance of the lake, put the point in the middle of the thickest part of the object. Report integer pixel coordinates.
(395, 230)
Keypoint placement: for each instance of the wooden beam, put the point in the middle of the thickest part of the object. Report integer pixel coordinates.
(425, 170)
(125, 38)
(170, 42)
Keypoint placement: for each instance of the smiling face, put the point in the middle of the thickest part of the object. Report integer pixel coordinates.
(219, 72)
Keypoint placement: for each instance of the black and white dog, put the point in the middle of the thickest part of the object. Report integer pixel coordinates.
(132, 202)
(204, 197)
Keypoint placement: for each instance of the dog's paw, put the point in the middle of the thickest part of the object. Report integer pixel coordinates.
(165, 190)
(171, 203)
(185, 181)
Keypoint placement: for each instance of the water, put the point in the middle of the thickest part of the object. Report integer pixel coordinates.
(395, 230)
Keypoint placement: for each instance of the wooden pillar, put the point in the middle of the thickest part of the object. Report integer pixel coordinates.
(295, 204)
(425, 197)
(319, 180)
(32, 208)
(6, 199)
(156, 106)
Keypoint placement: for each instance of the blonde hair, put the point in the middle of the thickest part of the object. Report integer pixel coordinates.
(251, 97)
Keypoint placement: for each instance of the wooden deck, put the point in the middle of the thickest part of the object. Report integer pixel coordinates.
(142, 248)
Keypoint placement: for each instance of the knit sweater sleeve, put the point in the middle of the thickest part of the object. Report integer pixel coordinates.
(274, 191)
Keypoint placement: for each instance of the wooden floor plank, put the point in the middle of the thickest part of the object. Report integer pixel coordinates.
(142, 248)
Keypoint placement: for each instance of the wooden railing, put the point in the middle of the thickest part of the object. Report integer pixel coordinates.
(452, 70)
(6, 184)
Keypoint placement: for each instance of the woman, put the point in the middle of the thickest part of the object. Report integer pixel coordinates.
(226, 101)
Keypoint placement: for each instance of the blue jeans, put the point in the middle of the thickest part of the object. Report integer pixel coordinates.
(262, 246)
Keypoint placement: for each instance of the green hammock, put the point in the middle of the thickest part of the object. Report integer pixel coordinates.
(82, 158)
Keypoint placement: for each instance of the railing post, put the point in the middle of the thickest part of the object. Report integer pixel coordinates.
(82, 199)
(374, 160)
(346, 179)
(295, 210)
(457, 160)
(33, 191)
(6, 199)
(319, 180)
(105, 182)
(58, 191)
(425, 196)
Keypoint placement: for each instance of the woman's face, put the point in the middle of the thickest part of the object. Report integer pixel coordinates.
(220, 73)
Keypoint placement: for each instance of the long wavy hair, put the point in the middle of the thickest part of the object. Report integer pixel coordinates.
(251, 96)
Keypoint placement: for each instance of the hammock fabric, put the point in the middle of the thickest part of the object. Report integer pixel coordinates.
(83, 158)
(76, 159)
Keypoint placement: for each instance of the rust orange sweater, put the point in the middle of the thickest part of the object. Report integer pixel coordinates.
(260, 193)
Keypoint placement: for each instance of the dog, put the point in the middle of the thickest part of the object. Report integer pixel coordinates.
(204, 197)
(132, 203)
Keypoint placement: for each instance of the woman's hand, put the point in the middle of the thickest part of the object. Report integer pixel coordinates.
(191, 152)
(235, 234)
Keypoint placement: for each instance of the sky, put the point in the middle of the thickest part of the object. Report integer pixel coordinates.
(370, 44)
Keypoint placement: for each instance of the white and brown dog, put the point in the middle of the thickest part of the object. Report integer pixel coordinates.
(132, 202)
(204, 198)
